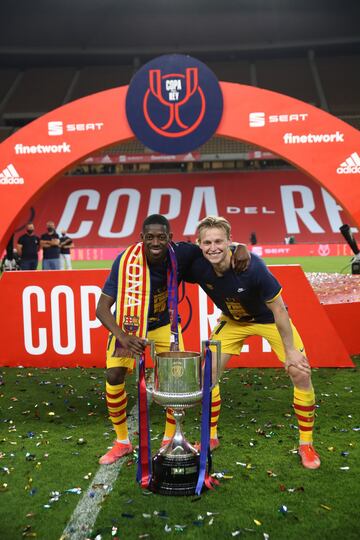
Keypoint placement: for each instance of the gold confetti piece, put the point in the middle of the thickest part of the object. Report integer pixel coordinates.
(257, 522)
(51, 413)
(325, 507)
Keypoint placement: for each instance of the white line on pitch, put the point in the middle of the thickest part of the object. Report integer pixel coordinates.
(84, 516)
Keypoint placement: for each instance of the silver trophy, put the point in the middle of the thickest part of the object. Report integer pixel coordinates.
(178, 385)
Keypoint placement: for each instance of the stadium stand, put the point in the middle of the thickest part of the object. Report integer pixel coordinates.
(7, 79)
(340, 76)
(39, 91)
(26, 94)
(290, 76)
(5, 132)
(97, 78)
(232, 71)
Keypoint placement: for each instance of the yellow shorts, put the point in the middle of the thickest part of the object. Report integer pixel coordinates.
(232, 334)
(161, 337)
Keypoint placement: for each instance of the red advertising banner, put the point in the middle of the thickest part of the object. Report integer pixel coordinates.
(108, 211)
(48, 320)
(117, 157)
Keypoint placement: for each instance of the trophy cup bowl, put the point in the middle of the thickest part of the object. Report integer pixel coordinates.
(178, 385)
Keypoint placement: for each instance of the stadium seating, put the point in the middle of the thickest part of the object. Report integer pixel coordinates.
(290, 76)
(340, 77)
(24, 95)
(7, 79)
(38, 91)
(97, 78)
(232, 71)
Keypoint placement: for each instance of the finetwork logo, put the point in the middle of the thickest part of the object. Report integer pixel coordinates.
(351, 165)
(259, 119)
(10, 176)
(313, 138)
(57, 127)
(63, 148)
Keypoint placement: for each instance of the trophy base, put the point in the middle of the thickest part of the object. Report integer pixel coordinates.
(175, 476)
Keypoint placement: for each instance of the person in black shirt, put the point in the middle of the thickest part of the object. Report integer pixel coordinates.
(66, 244)
(28, 246)
(50, 244)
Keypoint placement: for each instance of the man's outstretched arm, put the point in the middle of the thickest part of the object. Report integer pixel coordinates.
(241, 258)
(103, 312)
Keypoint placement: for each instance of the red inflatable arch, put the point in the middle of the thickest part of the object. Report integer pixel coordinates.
(319, 144)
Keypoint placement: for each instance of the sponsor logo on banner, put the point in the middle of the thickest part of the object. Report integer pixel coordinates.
(324, 250)
(314, 138)
(10, 176)
(351, 165)
(57, 127)
(258, 250)
(63, 148)
(174, 104)
(260, 119)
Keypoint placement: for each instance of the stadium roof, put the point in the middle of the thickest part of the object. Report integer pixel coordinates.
(50, 32)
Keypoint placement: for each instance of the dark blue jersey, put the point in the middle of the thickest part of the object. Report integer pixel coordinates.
(241, 296)
(186, 254)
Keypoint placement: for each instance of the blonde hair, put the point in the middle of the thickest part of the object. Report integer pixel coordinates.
(214, 222)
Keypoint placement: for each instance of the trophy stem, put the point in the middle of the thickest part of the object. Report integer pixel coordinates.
(178, 437)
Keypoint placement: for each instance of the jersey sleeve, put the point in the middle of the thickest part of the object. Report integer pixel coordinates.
(266, 282)
(110, 287)
(187, 254)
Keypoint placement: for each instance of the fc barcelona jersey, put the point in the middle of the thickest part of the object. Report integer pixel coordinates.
(186, 254)
(241, 296)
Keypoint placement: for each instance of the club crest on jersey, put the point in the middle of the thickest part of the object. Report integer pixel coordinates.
(131, 323)
(174, 104)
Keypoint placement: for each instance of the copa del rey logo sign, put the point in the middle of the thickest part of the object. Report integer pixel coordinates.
(174, 104)
(109, 212)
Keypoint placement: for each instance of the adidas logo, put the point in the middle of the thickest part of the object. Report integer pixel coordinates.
(351, 165)
(10, 176)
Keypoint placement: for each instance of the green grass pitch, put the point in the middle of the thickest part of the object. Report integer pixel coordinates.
(309, 264)
(54, 427)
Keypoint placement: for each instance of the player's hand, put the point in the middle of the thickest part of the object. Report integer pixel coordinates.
(297, 360)
(133, 344)
(240, 258)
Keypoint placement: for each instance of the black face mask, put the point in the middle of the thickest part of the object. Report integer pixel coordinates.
(50, 229)
(29, 231)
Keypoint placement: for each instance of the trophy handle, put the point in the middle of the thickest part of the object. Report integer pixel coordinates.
(216, 344)
(152, 354)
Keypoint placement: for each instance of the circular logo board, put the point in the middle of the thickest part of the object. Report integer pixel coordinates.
(174, 104)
